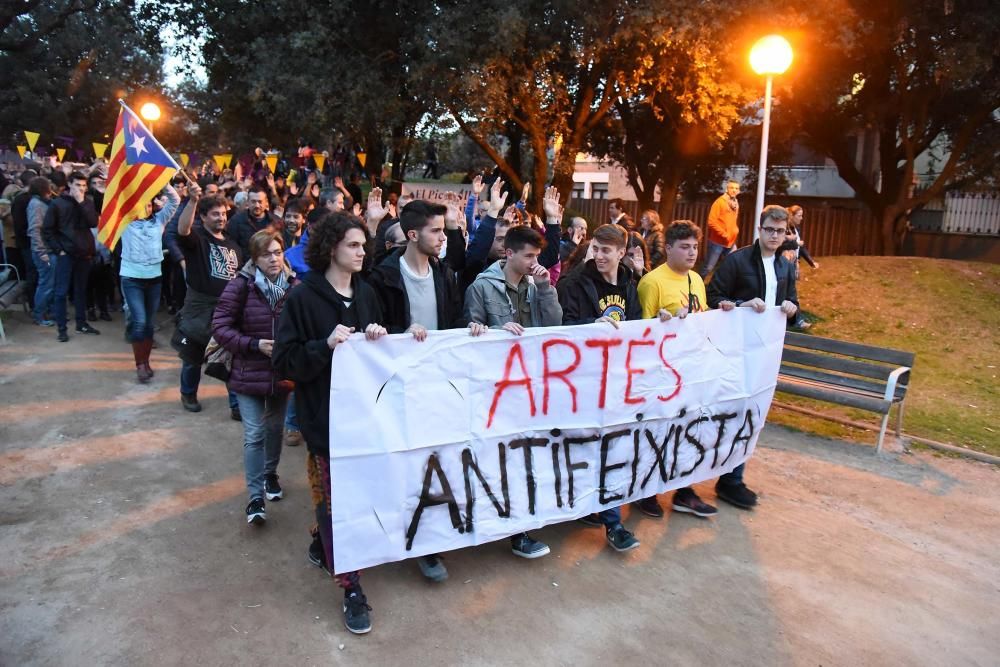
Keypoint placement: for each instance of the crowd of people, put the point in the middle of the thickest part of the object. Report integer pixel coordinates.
(267, 274)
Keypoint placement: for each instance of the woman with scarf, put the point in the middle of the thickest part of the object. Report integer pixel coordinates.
(244, 323)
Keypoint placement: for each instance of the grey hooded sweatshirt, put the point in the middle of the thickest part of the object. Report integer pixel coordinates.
(486, 300)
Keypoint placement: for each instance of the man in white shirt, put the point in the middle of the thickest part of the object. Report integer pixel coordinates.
(756, 277)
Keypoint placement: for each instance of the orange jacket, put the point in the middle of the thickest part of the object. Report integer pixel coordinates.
(723, 225)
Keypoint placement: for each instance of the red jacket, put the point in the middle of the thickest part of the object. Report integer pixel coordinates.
(243, 318)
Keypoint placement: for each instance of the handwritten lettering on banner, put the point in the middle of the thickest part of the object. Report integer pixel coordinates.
(435, 192)
(458, 441)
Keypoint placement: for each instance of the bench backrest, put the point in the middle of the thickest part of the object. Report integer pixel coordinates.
(845, 358)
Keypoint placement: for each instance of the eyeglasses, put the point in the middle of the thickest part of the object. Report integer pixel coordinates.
(772, 231)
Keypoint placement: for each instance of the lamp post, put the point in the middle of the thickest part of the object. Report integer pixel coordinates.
(150, 113)
(770, 55)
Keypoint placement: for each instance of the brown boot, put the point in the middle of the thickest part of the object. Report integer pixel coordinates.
(138, 351)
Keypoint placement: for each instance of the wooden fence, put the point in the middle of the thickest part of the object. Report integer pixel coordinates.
(827, 229)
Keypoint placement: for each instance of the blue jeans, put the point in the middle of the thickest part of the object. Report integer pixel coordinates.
(291, 419)
(733, 478)
(43, 293)
(143, 298)
(69, 269)
(191, 380)
(610, 518)
(263, 425)
(713, 256)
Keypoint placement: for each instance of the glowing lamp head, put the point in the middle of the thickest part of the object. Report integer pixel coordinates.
(150, 111)
(771, 55)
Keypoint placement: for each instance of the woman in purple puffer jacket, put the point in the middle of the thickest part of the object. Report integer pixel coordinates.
(244, 322)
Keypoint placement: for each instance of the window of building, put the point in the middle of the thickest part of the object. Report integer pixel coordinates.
(578, 189)
(599, 191)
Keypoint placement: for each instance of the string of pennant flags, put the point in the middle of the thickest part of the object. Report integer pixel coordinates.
(222, 160)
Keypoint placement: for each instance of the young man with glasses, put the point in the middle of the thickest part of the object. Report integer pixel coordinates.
(673, 289)
(756, 277)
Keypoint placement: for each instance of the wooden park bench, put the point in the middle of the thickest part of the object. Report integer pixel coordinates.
(858, 376)
(11, 292)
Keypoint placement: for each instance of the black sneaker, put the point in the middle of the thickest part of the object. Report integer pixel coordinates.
(234, 414)
(687, 501)
(591, 520)
(316, 554)
(91, 314)
(432, 568)
(255, 512)
(105, 316)
(272, 490)
(190, 402)
(87, 329)
(356, 611)
(736, 494)
(650, 507)
(621, 539)
(62, 337)
(524, 546)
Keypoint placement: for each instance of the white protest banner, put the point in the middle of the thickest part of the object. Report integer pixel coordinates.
(435, 192)
(456, 440)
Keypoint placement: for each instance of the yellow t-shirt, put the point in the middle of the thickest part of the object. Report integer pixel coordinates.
(665, 288)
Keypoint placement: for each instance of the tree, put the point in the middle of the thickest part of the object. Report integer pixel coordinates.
(67, 83)
(550, 75)
(24, 24)
(678, 121)
(334, 69)
(918, 74)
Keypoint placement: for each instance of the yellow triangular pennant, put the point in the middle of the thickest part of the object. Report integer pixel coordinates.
(228, 157)
(184, 159)
(99, 149)
(61, 153)
(21, 150)
(32, 138)
(220, 161)
(272, 162)
(320, 160)
(362, 157)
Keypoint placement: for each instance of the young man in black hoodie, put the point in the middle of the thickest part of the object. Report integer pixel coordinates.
(756, 277)
(331, 303)
(603, 291)
(419, 293)
(67, 235)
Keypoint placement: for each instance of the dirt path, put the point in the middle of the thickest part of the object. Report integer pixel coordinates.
(124, 542)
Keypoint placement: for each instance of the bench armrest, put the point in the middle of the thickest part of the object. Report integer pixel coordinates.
(890, 387)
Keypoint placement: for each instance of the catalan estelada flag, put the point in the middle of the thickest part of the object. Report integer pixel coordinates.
(138, 170)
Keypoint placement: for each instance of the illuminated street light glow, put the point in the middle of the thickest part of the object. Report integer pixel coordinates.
(771, 55)
(150, 111)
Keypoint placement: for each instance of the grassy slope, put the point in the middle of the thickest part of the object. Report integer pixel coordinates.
(947, 312)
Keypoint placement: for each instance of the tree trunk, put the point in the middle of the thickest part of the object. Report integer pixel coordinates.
(670, 183)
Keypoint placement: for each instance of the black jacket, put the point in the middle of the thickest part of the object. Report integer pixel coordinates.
(387, 281)
(312, 311)
(67, 227)
(578, 294)
(240, 228)
(740, 277)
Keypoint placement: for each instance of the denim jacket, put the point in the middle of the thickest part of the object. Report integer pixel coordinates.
(142, 240)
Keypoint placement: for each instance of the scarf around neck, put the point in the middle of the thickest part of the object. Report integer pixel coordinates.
(272, 291)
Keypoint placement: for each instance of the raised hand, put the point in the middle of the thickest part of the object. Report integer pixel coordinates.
(376, 211)
(525, 192)
(452, 213)
(477, 185)
(497, 198)
(550, 203)
(338, 182)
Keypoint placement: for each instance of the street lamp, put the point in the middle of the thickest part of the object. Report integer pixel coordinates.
(150, 113)
(770, 55)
